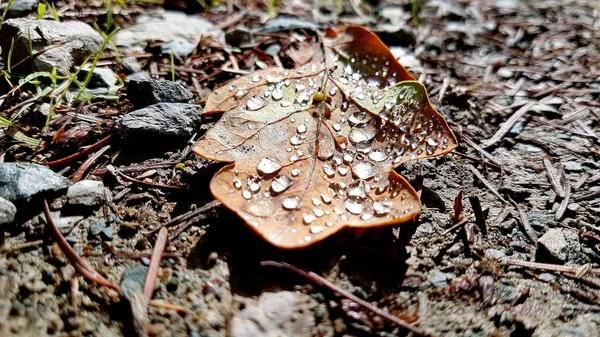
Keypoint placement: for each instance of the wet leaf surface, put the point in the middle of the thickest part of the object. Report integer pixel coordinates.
(312, 149)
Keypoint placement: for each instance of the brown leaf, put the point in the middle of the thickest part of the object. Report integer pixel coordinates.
(313, 148)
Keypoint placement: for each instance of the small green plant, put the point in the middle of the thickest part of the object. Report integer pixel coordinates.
(54, 12)
(271, 7)
(172, 67)
(415, 8)
(9, 58)
(88, 78)
(41, 10)
(9, 4)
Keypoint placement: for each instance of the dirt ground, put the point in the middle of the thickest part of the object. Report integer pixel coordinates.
(518, 82)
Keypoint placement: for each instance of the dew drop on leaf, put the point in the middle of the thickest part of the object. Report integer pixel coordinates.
(364, 170)
(354, 206)
(280, 184)
(256, 103)
(290, 203)
(268, 166)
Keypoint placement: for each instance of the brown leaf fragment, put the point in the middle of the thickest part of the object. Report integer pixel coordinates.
(312, 149)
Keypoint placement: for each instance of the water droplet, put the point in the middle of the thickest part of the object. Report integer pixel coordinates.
(381, 208)
(316, 201)
(285, 104)
(359, 118)
(364, 170)
(307, 238)
(318, 212)
(366, 216)
(237, 183)
(316, 229)
(295, 140)
(357, 190)
(342, 170)
(364, 134)
(280, 184)
(290, 203)
(337, 127)
(268, 166)
(377, 156)
(254, 186)
(326, 199)
(277, 94)
(247, 194)
(328, 170)
(273, 79)
(301, 128)
(333, 91)
(295, 172)
(348, 157)
(354, 206)
(256, 103)
(256, 78)
(329, 224)
(308, 218)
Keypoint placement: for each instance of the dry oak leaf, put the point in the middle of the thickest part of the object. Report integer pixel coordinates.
(312, 149)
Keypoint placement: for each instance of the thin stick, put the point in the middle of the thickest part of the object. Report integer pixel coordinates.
(81, 153)
(141, 182)
(487, 183)
(551, 174)
(366, 305)
(159, 248)
(81, 265)
(551, 267)
(529, 231)
(86, 164)
(506, 126)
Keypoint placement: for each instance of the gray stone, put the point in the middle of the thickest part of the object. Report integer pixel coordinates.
(163, 119)
(573, 166)
(20, 181)
(552, 246)
(71, 42)
(284, 313)
(143, 93)
(8, 211)
(86, 193)
(495, 254)
(107, 234)
(18, 8)
(96, 226)
(130, 65)
(438, 279)
(177, 31)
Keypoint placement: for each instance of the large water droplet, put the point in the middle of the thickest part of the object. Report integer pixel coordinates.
(308, 218)
(280, 184)
(237, 183)
(364, 134)
(290, 203)
(246, 194)
(364, 170)
(318, 212)
(377, 156)
(329, 171)
(359, 118)
(326, 199)
(357, 190)
(277, 94)
(301, 128)
(354, 206)
(268, 166)
(256, 103)
(316, 229)
(381, 208)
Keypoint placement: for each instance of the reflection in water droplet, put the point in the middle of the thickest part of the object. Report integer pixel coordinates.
(267, 166)
(316, 229)
(256, 78)
(328, 170)
(342, 170)
(308, 218)
(357, 190)
(301, 128)
(359, 118)
(290, 203)
(273, 78)
(254, 186)
(280, 184)
(277, 94)
(326, 199)
(295, 172)
(240, 93)
(366, 216)
(377, 156)
(381, 208)
(295, 140)
(354, 206)
(364, 134)
(247, 194)
(237, 183)
(255, 103)
(364, 170)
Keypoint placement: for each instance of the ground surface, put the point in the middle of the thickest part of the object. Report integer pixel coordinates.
(482, 63)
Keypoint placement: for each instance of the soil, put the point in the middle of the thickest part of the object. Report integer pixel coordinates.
(482, 62)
